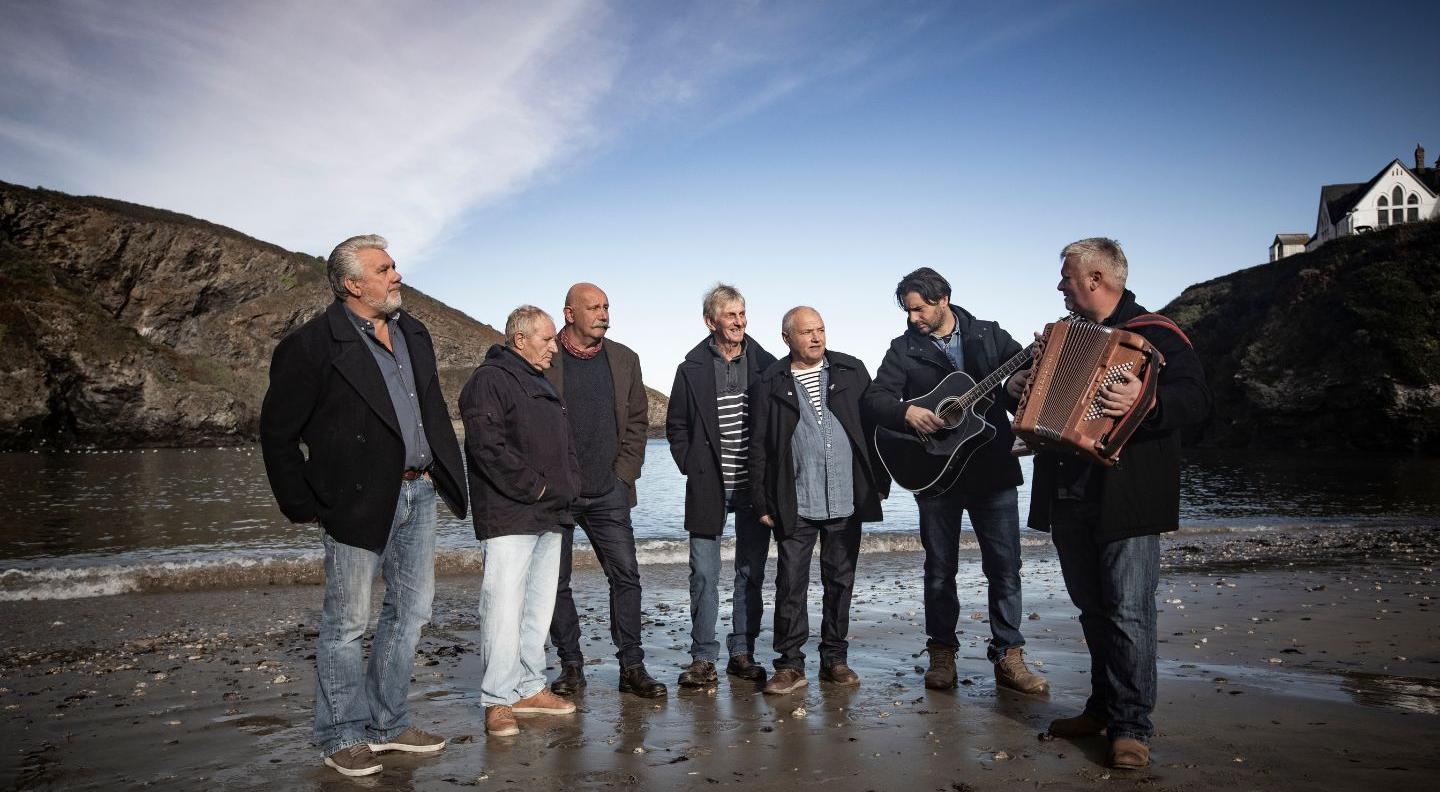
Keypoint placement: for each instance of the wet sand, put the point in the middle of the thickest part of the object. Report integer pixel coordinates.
(1290, 662)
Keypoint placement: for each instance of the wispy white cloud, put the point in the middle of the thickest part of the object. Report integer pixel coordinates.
(302, 123)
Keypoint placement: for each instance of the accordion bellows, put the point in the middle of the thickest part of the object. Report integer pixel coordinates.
(1061, 408)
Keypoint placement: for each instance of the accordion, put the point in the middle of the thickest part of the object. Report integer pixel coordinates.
(1061, 410)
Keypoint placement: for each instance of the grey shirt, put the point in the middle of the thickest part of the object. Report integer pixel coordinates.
(399, 378)
(824, 468)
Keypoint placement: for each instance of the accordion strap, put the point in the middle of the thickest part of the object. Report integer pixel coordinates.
(1156, 320)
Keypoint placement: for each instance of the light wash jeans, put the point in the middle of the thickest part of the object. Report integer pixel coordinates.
(752, 547)
(517, 599)
(355, 703)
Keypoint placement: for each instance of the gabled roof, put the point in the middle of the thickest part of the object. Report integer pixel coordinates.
(1291, 239)
(1337, 199)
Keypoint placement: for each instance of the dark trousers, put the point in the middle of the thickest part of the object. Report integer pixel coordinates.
(996, 520)
(606, 520)
(1113, 584)
(839, 547)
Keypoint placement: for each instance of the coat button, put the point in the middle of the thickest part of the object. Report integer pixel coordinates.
(359, 438)
(359, 487)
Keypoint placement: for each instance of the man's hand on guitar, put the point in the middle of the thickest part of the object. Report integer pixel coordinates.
(923, 421)
(1015, 386)
(1117, 397)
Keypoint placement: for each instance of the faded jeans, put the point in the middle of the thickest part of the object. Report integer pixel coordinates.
(517, 599)
(355, 703)
(996, 520)
(752, 549)
(1113, 584)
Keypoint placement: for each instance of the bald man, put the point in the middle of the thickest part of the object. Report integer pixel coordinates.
(599, 381)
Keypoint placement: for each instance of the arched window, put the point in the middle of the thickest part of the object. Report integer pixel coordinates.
(1413, 212)
(1384, 211)
(1397, 215)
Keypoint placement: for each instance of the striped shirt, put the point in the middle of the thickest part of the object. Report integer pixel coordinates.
(809, 379)
(734, 413)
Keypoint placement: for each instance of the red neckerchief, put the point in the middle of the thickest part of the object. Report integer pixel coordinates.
(573, 349)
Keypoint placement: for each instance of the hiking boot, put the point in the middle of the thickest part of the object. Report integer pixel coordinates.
(698, 674)
(744, 667)
(785, 680)
(542, 703)
(637, 680)
(356, 760)
(412, 740)
(1128, 753)
(1081, 725)
(1010, 672)
(570, 681)
(500, 721)
(941, 675)
(839, 674)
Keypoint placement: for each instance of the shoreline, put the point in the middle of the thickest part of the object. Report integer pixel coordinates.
(1275, 672)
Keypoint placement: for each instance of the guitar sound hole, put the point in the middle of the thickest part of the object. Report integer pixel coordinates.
(948, 412)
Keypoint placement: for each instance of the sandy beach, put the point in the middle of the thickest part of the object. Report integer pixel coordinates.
(1298, 661)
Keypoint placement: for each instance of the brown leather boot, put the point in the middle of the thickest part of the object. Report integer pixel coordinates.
(941, 675)
(500, 721)
(1081, 725)
(1128, 753)
(1010, 672)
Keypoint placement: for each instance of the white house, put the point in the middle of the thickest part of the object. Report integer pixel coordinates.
(1395, 195)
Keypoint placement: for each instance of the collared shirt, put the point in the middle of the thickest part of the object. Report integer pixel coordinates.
(399, 377)
(732, 407)
(824, 468)
(953, 347)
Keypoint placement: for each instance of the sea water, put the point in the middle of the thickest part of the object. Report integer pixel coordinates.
(95, 523)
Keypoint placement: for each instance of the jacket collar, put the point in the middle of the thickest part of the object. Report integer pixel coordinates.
(508, 360)
(1125, 310)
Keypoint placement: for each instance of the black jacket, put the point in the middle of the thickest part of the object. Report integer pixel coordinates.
(326, 392)
(774, 414)
(1140, 494)
(524, 475)
(692, 426)
(913, 366)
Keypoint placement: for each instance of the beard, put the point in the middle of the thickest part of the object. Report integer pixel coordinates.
(387, 306)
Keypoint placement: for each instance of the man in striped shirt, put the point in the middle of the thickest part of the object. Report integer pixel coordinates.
(707, 426)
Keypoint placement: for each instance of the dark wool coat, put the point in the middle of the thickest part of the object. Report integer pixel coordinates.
(524, 475)
(327, 392)
(1140, 495)
(692, 425)
(774, 414)
(632, 407)
(913, 366)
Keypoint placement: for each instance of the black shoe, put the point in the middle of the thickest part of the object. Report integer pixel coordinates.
(743, 666)
(699, 674)
(637, 680)
(570, 681)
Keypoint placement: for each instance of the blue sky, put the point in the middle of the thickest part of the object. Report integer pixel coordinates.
(807, 152)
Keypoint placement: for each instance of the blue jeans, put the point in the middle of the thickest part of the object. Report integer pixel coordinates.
(996, 520)
(1113, 584)
(752, 547)
(355, 703)
(517, 599)
(606, 521)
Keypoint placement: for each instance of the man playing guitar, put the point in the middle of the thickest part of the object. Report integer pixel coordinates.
(941, 339)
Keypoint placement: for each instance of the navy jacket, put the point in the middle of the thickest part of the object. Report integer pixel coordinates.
(774, 414)
(692, 425)
(326, 392)
(913, 366)
(524, 475)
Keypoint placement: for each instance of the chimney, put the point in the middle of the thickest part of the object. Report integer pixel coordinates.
(1419, 157)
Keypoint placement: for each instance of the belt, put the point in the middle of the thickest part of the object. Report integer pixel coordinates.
(411, 474)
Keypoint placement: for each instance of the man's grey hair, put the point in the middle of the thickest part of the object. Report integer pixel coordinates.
(720, 295)
(522, 320)
(1102, 252)
(787, 321)
(344, 261)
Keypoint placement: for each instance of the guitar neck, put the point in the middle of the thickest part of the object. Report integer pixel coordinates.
(999, 375)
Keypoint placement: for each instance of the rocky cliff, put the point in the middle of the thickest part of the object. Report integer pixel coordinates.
(1338, 349)
(129, 326)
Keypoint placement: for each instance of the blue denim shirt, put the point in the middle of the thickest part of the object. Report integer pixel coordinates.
(824, 471)
(400, 384)
(953, 346)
